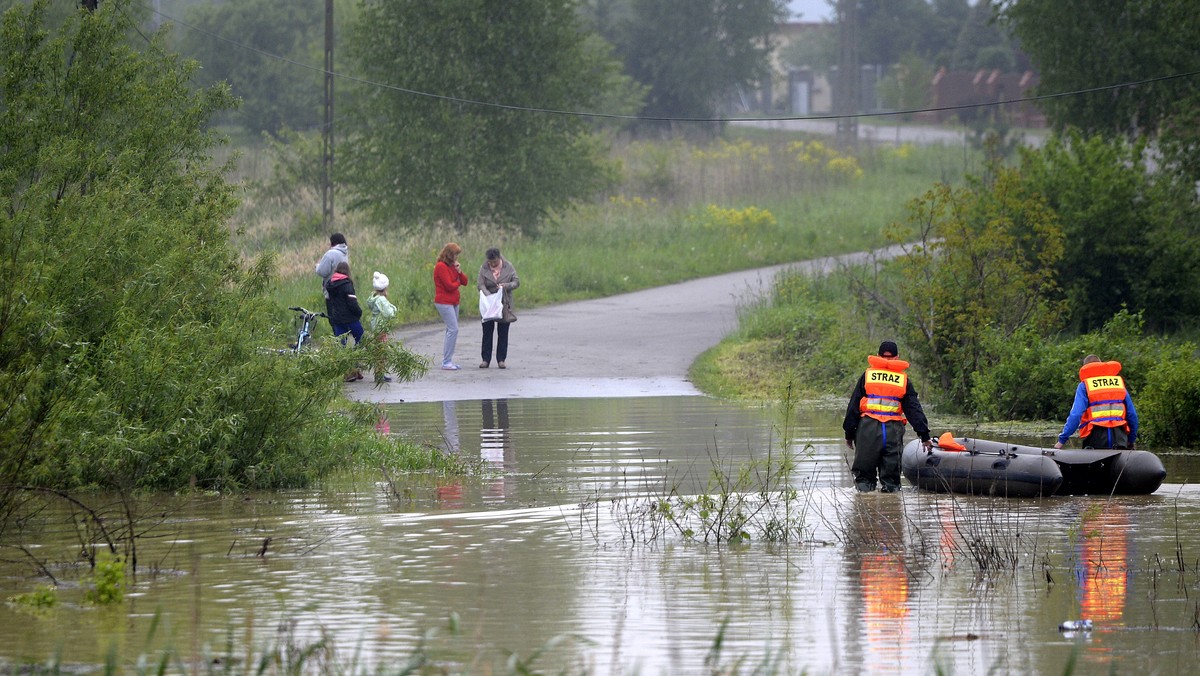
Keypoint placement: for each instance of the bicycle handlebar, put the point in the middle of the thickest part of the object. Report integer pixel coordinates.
(308, 312)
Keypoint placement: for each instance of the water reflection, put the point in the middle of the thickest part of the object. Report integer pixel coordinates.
(450, 437)
(538, 544)
(1102, 572)
(876, 565)
(496, 449)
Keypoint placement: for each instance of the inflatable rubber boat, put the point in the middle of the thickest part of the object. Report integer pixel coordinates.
(983, 467)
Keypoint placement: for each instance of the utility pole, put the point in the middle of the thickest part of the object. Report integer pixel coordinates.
(846, 92)
(327, 136)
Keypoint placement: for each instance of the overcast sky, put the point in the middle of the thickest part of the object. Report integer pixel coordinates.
(813, 10)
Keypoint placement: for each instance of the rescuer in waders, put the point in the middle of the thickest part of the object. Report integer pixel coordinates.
(1103, 411)
(882, 402)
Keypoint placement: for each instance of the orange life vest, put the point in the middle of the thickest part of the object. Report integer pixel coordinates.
(1106, 396)
(947, 442)
(885, 383)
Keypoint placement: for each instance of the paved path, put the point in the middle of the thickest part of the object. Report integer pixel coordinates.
(631, 345)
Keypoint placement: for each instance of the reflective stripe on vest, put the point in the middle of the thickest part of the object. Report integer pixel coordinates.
(1106, 396)
(885, 384)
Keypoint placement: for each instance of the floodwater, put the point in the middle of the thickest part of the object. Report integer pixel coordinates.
(574, 547)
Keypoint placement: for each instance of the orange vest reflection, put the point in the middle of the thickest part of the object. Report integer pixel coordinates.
(1103, 568)
(885, 607)
(877, 531)
(884, 587)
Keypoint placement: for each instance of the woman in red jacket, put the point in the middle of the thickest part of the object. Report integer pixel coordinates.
(447, 277)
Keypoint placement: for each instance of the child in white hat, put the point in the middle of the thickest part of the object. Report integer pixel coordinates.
(382, 311)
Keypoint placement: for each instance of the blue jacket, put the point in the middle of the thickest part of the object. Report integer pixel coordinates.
(1080, 405)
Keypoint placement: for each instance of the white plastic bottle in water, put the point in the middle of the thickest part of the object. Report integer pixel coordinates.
(1076, 625)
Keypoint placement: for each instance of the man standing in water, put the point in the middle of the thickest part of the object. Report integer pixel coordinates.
(875, 419)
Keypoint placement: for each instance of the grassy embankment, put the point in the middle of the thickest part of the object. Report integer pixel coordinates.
(656, 227)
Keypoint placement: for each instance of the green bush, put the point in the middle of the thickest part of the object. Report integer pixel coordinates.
(1035, 379)
(130, 346)
(43, 596)
(1169, 406)
(1131, 232)
(1031, 379)
(108, 581)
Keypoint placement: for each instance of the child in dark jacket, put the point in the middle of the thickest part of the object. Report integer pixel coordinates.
(344, 312)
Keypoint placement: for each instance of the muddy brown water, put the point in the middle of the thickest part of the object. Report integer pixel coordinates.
(549, 554)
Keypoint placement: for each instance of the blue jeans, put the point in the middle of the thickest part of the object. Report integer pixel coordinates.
(355, 329)
(449, 315)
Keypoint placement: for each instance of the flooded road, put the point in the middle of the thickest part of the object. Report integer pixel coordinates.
(581, 544)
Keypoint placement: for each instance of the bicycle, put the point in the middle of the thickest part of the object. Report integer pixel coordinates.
(304, 335)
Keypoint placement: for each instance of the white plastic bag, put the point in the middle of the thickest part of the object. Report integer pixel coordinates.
(491, 306)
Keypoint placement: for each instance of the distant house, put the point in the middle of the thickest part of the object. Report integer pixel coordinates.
(954, 88)
(797, 89)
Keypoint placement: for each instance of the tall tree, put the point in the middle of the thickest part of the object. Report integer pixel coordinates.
(274, 93)
(983, 264)
(982, 43)
(1083, 44)
(457, 130)
(129, 329)
(889, 29)
(694, 54)
(1133, 234)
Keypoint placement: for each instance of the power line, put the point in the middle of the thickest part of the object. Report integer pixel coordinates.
(642, 118)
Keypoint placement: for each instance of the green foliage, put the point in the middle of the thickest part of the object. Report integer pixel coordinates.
(1179, 140)
(1076, 47)
(818, 335)
(982, 43)
(130, 334)
(274, 93)
(907, 85)
(296, 164)
(416, 160)
(816, 50)
(108, 581)
(1033, 377)
(694, 55)
(808, 336)
(1030, 377)
(1132, 237)
(42, 596)
(983, 264)
(1169, 406)
(949, 33)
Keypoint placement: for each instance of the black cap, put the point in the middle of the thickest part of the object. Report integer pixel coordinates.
(888, 349)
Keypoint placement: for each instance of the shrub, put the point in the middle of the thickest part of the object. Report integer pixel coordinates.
(1031, 378)
(982, 265)
(108, 581)
(43, 596)
(1169, 406)
(1035, 379)
(130, 346)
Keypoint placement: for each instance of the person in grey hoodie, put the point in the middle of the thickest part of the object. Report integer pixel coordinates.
(338, 253)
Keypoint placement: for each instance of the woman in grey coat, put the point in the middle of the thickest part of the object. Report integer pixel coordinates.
(497, 273)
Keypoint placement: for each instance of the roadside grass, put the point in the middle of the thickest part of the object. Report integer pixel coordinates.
(679, 212)
(805, 336)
